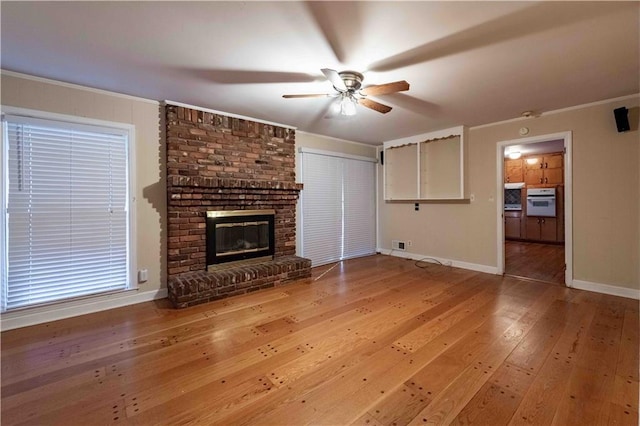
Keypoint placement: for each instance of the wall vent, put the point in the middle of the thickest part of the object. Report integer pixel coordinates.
(398, 245)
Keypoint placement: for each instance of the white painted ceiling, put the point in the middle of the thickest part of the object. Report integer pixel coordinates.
(468, 63)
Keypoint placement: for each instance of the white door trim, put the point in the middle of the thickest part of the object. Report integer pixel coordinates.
(568, 197)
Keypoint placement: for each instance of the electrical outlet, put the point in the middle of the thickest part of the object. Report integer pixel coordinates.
(409, 243)
(143, 275)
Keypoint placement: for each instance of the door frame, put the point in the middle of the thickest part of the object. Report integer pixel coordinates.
(568, 198)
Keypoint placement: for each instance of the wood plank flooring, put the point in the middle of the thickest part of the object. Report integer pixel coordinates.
(371, 341)
(538, 261)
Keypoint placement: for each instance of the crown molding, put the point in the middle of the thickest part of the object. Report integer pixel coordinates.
(76, 86)
(558, 111)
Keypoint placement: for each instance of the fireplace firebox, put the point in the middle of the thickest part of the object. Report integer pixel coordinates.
(239, 235)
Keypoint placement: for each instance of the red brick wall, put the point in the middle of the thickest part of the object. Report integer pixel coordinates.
(211, 145)
(215, 162)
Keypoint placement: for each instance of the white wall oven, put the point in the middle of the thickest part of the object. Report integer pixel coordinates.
(541, 202)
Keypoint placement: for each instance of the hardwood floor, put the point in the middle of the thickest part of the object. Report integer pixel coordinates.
(374, 341)
(538, 261)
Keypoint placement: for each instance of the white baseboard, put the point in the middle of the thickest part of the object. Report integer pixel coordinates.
(612, 290)
(475, 267)
(630, 293)
(27, 317)
(449, 262)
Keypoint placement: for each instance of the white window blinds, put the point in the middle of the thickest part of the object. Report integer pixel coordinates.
(321, 209)
(66, 211)
(338, 208)
(359, 208)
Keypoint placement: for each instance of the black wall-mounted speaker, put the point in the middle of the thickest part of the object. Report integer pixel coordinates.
(622, 119)
(382, 158)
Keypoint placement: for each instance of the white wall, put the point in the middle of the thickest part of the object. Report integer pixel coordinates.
(325, 143)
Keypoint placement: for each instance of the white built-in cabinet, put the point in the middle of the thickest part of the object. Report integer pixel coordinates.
(401, 171)
(425, 167)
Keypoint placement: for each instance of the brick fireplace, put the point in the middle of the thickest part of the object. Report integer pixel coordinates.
(218, 163)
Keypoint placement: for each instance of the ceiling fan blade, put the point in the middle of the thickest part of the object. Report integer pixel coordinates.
(383, 89)
(334, 78)
(311, 95)
(376, 106)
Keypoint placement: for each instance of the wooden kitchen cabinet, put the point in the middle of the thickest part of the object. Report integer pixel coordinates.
(513, 170)
(512, 225)
(544, 169)
(553, 161)
(542, 229)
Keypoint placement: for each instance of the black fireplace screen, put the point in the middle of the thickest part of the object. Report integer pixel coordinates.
(234, 235)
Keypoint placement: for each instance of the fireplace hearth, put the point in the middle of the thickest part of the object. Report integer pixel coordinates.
(239, 236)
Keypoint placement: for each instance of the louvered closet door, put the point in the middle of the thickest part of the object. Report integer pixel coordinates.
(338, 208)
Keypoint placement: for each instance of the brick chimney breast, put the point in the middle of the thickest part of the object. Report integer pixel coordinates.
(216, 162)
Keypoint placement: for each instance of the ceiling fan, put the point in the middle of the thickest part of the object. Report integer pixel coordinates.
(348, 87)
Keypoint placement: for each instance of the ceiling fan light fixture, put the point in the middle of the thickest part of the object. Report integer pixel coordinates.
(348, 105)
(349, 94)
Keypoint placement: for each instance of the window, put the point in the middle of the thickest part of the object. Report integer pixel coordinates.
(66, 210)
(338, 207)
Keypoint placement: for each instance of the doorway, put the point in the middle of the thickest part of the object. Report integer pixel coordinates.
(534, 208)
